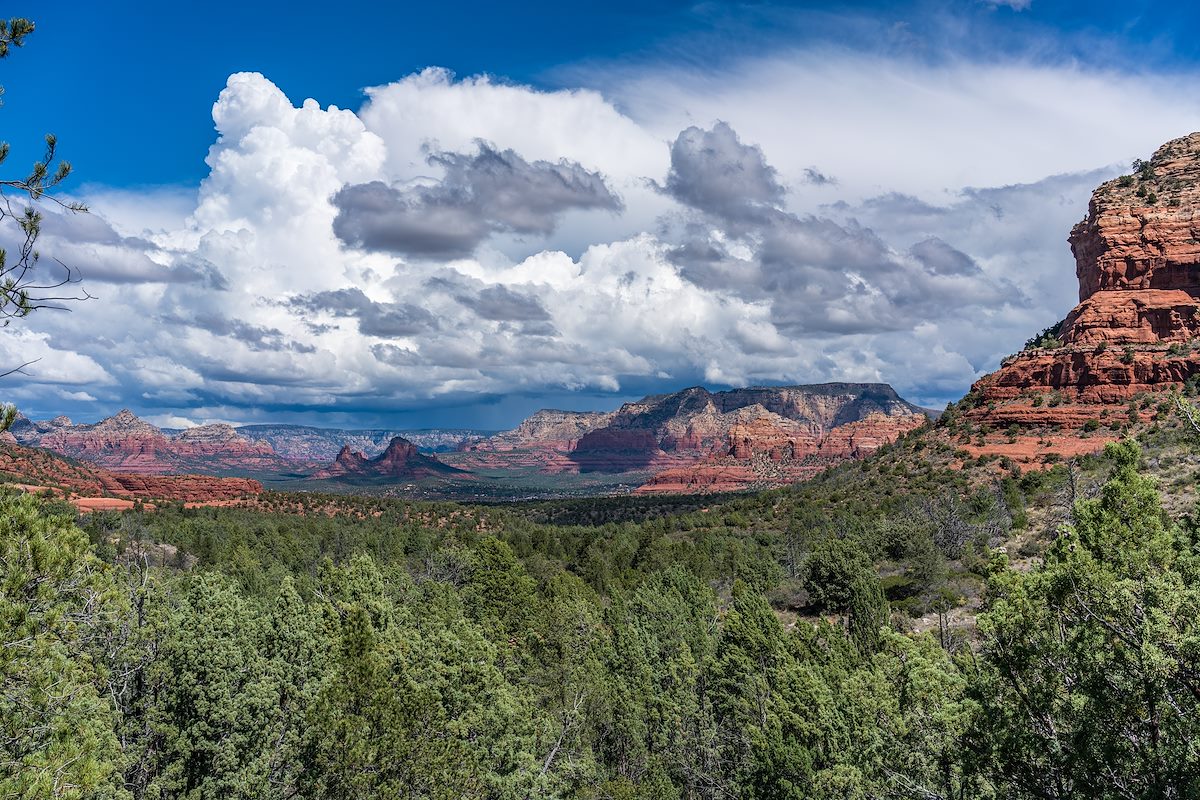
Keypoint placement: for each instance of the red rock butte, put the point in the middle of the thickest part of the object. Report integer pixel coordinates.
(401, 459)
(1134, 331)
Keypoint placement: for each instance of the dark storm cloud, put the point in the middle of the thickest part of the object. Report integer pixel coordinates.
(817, 178)
(708, 264)
(395, 356)
(503, 304)
(942, 259)
(255, 337)
(385, 320)
(712, 171)
(483, 193)
(492, 302)
(819, 276)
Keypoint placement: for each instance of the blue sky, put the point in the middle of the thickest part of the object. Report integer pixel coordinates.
(127, 86)
(549, 219)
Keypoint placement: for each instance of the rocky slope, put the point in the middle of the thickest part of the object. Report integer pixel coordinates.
(701, 440)
(1133, 334)
(125, 443)
(786, 422)
(400, 460)
(35, 469)
(305, 443)
(542, 442)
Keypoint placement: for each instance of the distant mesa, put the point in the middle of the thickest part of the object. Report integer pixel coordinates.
(401, 459)
(691, 440)
(305, 443)
(698, 440)
(789, 421)
(125, 443)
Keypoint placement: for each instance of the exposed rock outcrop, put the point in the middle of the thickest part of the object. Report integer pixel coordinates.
(697, 440)
(546, 429)
(1137, 258)
(125, 443)
(785, 421)
(40, 468)
(542, 442)
(400, 460)
(763, 453)
(305, 443)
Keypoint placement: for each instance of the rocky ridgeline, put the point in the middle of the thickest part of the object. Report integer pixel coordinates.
(307, 444)
(697, 440)
(43, 469)
(400, 460)
(1134, 331)
(763, 454)
(548, 429)
(125, 443)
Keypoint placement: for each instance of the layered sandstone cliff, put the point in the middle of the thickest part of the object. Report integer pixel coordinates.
(308, 444)
(698, 440)
(1134, 331)
(780, 422)
(40, 468)
(125, 443)
(769, 451)
(548, 429)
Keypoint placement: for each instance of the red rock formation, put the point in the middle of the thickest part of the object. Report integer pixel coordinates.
(124, 443)
(1137, 258)
(701, 440)
(542, 442)
(695, 424)
(346, 461)
(762, 453)
(401, 459)
(861, 438)
(40, 468)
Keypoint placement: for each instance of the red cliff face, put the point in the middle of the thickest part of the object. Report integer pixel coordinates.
(542, 441)
(770, 451)
(779, 423)
(401, 459)
(697, 440)
(124, 443)
(1137, 258)
(39, 468)
(1141, 234)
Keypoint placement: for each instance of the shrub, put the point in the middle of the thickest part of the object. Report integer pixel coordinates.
(1127, 356)
(1091, 425)
(1047, 339)
(832, 568)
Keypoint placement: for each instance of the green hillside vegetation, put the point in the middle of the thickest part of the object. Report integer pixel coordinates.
(863, 635)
